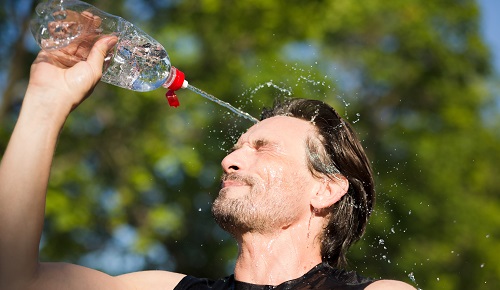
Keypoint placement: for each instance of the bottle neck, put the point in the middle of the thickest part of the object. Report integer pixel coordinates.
(176, 80)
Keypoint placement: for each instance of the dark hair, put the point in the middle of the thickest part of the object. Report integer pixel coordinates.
(338, 151)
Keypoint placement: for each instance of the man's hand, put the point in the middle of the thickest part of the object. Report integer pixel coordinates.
(56, 86)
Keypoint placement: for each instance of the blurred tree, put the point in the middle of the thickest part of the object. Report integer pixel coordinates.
(133, 179)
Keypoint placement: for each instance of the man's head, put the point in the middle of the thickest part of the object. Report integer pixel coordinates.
(280, 160)
(266, 180)
(339, 152)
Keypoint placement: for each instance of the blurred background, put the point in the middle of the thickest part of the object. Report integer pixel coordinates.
(133, 179)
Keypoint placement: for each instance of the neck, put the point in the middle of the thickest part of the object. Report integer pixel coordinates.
(273, 258)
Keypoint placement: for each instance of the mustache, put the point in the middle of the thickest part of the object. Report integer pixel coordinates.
(247, 180)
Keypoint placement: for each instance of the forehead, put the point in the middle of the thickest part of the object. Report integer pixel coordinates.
(280, 128)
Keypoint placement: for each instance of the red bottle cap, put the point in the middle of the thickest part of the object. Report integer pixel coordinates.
(177, 79)
(172, 99)
(175, 82)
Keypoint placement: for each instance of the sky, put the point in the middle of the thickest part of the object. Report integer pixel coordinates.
(490, 22)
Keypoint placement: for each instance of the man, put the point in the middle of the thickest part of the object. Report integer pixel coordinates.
(293, 209)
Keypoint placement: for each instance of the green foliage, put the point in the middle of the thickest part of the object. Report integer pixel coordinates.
(410, 75)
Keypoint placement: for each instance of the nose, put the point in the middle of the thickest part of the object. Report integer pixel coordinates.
(233, 162)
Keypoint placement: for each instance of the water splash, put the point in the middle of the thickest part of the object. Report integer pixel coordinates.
(224, 104)
(412, 278)
(358, 115)
(271, 84)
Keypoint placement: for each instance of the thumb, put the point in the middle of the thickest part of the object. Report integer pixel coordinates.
(99, 52)
(86, 74)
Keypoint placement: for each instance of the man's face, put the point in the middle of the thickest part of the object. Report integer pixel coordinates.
(266, 183)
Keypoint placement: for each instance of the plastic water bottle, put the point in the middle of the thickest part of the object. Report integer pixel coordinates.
(69, 28)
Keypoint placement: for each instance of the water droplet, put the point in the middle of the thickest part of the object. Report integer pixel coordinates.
(412, 277)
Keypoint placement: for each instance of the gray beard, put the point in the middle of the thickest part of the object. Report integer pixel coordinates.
(245, 214)
(230, 215)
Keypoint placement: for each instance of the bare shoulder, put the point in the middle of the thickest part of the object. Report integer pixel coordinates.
(149, 280)
(390, 285)
(69, 276)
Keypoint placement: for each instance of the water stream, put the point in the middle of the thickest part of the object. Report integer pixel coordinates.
(222, 103)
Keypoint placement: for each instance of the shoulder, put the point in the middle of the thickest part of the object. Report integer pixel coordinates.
(148, 280)
(389, 285)
(70, 276)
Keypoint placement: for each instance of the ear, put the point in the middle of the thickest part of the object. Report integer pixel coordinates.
(329, 191)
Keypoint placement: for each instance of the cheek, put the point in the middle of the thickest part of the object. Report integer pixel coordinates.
(284, 177)
(285, 180)
(274, 177)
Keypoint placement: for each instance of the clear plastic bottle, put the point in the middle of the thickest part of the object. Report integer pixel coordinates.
(69, 28)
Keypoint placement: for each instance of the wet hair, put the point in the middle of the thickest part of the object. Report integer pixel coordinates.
(336, 150)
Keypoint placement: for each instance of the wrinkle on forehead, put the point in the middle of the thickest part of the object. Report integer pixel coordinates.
(280, 125)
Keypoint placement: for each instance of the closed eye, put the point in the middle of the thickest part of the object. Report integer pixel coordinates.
(267, 146)
(257, 144)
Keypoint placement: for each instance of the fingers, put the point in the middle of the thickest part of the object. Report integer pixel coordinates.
(73, 34)
(94, 20)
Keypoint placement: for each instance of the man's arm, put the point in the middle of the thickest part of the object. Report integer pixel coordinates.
(53, 92)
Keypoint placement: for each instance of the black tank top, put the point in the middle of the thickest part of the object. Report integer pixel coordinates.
(321, 277)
